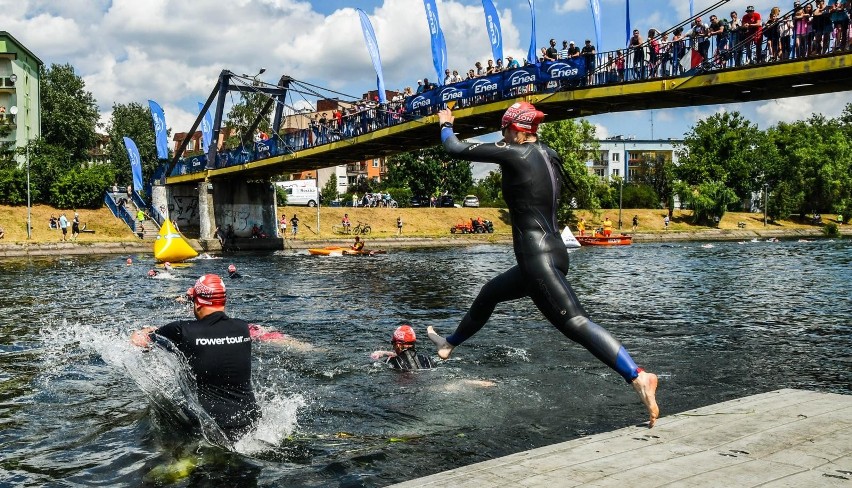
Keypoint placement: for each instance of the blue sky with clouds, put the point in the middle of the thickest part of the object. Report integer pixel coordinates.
(172, 51)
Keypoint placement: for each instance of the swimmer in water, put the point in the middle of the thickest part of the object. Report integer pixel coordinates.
(533, 176)
(232, 272)
(404, 354)
(129, 262)
(167, 266)
(265, 334)
(152, 273)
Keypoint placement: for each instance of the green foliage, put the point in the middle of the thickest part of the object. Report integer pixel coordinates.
(82, 188)
(637, 195)
(329, 191)
(281, 196)
(132, 120)
(656, 174)
(708, 200)
(47, 163)
(724, 148)
(490, 190)
(831, 230)
(69, 112)
(429, 171)
(241, 116)
(574, 141)
(13, 186)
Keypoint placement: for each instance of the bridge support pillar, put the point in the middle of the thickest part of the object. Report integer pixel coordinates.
(243, 205)
(206, 213)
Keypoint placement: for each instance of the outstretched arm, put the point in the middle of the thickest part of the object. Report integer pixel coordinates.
(142, 337)
(485, 152)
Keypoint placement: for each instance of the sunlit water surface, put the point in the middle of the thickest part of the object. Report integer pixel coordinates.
(80, 407)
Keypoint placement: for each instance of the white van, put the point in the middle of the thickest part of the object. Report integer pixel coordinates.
(300, 192)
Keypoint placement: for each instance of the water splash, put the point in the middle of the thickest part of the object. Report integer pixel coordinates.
(166, 379)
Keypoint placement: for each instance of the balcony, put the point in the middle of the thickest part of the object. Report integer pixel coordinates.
(7, 83)
(7, 120)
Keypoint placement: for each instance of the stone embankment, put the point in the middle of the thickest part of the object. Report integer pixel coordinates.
(140, 247)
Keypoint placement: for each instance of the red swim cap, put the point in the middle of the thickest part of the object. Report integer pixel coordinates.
(404, 334)
(208, 290)
(232, 268)
(522, 117)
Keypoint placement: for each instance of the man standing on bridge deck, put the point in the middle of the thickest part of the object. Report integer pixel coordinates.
(218, 350)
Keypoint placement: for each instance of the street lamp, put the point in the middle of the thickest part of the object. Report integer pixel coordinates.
(14, 111)
(620, 193)
(255, 82)
(765, 201)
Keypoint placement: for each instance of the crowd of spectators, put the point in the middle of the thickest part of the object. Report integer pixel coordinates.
(810, 28)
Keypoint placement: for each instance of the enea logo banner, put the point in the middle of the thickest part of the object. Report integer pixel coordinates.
(506, 83)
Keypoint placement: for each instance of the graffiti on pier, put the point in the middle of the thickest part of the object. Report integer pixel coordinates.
(184, 209)
(242, 218)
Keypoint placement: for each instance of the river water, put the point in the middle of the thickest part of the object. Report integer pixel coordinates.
(79, 407)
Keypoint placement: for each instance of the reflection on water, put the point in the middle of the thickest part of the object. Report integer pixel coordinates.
(79, 406)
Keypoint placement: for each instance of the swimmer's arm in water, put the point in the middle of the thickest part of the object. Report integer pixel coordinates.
(264, 334)
(376, 355)
(142, 337)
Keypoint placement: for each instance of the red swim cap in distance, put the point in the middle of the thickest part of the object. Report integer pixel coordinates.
(208, 290)
(522, 117)
(232, 268)
(404, 334)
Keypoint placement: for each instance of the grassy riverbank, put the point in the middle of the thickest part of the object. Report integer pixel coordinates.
(417, 222)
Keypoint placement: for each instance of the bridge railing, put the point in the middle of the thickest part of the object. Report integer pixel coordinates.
(686, 56)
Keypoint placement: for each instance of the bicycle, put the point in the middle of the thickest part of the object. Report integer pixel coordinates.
(361, 228)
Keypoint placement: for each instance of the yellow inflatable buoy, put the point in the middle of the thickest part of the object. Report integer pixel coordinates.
(171, 246)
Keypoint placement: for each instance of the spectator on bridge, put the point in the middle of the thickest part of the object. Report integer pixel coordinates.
(619, 64)
(479, 70)
(589, 56)
(637, 51)
(665, 55)
(701, 38)
(821, 26)
(448, 77)
(489, 70)
(785, 30)
(456, 77)
(801, 20)
(420, 87)
(499, 66)
(563, 53)
(678, 50)
(772, 33)
(840, 18)
(573, 50)
(653, 52)
(470, 74)
(753, 27)
(513, 63)
(551, 54)
(718, 28)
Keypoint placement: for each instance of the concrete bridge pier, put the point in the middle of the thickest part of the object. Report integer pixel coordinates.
(206, 211)
(242, 205)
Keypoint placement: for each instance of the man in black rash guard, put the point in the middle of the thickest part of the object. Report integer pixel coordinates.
(218, 349)
(532, 183)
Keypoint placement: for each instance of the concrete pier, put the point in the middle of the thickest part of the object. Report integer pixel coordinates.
(784, 438)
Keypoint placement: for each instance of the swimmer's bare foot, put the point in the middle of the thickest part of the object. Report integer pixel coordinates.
(444, 347)
(646, 387)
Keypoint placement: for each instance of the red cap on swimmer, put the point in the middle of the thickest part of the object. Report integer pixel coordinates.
(232, 268)
(522, 117)
(404, 334)
(208, 290)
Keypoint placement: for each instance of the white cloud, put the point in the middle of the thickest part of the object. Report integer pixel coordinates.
(565, 6)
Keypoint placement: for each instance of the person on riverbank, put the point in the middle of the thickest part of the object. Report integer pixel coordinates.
(666, 223)
(399, 225)
(75, 226)
(635, 222)
(218, 350)
(63, 226)
(532, 181)
(294, 223)
(404, 354)
(581, 227)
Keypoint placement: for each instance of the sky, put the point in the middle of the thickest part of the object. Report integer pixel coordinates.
(173, 51)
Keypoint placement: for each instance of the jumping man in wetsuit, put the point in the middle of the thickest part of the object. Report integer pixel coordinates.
(531, 187)
(218, 349)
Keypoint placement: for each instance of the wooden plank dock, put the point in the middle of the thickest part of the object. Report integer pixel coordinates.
(784, 438)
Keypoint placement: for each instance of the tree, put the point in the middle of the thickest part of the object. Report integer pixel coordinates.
(708, 200)
(723, 148)
(489, 189)
(429, 171)
(329, 190)
(241, 116)
(575, 143)
(48, 163)
(132, 120)
(69, 112)
(657, 173)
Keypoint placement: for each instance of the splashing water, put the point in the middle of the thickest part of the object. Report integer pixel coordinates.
(166, 379)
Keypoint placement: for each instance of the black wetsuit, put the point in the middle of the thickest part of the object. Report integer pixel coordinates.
(218, 349)
(531, 187)
(409, 359)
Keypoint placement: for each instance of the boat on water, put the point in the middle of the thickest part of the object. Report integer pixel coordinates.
(341, 251)
(601, 240)
(568, 238)
(171, 246)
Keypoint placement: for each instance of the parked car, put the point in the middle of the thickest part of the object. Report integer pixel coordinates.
(470, 201)
(446, 201)
(419, 201)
